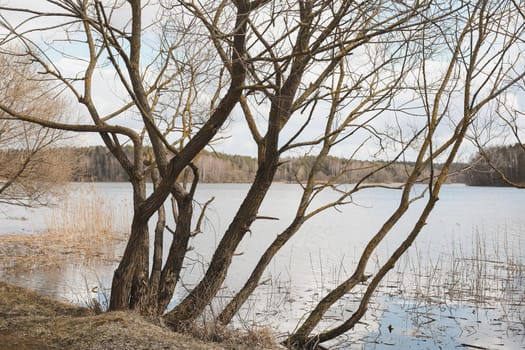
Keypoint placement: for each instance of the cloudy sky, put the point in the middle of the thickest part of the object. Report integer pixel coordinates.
(109, 93)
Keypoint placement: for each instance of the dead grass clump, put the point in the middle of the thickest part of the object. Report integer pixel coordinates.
(87, 217)
(31, 321)
(235, 339)
(83, 228)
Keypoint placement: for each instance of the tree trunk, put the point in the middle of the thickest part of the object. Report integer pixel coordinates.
(194, 304)
(179, 246)
(240, 298)
(131, 275)
(156, 268)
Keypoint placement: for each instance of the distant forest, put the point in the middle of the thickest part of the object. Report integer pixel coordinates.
(496, 163)
(97, 164)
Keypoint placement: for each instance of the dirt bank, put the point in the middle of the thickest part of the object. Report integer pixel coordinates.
(31, 321)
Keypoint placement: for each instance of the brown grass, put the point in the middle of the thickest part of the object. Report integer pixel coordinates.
(83, 228)
(253, 338)
(85, 214)
(30, 321)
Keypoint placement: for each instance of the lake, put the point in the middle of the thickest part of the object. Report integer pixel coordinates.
(462, 283)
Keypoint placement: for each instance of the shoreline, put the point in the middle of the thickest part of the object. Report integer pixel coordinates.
(29, 320)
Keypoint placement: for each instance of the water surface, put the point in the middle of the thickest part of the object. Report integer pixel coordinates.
(465, 221)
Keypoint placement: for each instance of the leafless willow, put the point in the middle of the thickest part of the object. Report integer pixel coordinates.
(403, 80)
(29, 170)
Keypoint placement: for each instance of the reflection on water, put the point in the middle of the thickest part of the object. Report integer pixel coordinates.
(74, 282)
(410, 324)
(462, 284)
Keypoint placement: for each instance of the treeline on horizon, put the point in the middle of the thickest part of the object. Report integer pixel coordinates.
(496, 164)
(97, 164)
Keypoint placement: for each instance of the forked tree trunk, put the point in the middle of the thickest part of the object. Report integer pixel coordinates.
(195, 303)
(156, 268)
(130, 282)
(171, 272)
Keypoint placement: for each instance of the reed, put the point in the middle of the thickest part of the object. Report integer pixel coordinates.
(83, 228)
(85, 211)
(481, 282)
(88, 223)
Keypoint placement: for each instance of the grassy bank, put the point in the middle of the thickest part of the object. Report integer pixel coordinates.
(31, 321)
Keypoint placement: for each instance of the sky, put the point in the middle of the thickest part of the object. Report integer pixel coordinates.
(235, 136)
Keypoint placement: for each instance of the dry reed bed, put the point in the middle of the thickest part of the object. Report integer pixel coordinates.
(82, 228)
(486, 277)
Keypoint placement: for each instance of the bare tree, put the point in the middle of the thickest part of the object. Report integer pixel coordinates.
(498, 134)
(308, 76)
(498, 138)
(30, 168)
(175, 135)
(478, 68)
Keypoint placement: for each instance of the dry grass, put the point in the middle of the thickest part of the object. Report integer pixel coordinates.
(30, 321)
(485, 276)
(253, 338)
(486, 272)
(83, 228)
(85, 214)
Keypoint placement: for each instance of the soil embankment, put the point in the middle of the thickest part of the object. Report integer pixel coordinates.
(31, 321)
